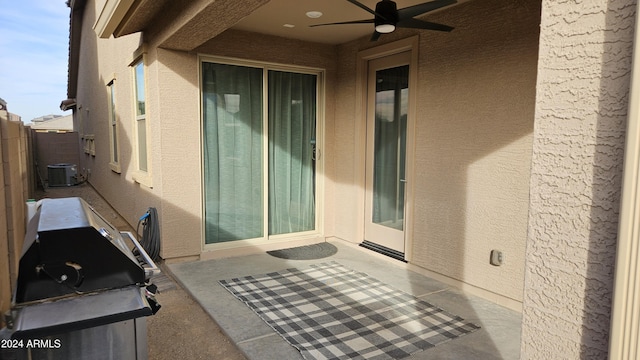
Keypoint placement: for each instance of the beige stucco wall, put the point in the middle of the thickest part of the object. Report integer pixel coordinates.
(583, 83)
(473, 135)
(485, 177)
(173, 114)
(102, 60)
(475, 112)
(174, 78)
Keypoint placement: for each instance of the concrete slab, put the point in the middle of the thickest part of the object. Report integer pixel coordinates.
(499, 337)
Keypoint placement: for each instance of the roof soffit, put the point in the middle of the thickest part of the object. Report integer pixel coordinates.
(202, 21)
(142, 15)
(111, 16)
(174, 24)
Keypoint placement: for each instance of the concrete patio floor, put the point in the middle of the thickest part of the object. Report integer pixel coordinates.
(499, 337)
(182, 329)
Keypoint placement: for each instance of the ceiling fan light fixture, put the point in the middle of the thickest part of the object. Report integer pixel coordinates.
(386, 17)
(314, 14)
(385, 28)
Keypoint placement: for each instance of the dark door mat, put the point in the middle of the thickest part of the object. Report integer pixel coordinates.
(307, 252)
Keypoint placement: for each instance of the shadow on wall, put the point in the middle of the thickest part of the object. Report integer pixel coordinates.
(475, 118)
(455, 134)
(473, 142)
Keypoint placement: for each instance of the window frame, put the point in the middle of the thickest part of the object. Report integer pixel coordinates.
(141, 176)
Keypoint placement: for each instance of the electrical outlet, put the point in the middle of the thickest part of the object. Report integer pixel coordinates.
(496, 258)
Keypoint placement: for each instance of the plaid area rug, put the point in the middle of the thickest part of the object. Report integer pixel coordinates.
(331, 312)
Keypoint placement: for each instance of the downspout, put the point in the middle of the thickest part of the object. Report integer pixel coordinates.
(624, 340)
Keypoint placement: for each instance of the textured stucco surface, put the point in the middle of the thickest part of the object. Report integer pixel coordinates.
(473, 134)
(519, 147)
(173, 115)
(197, 21)
(178, 153)
(473, 156)
(103, 60)
(474, 124)
(583, 82)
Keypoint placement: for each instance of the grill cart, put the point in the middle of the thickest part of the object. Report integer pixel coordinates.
(81, 292)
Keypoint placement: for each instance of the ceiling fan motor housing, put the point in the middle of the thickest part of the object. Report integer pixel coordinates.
(389, 11)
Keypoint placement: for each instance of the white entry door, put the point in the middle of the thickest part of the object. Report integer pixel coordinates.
(387, 108)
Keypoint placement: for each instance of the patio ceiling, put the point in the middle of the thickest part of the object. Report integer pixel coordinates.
(287, 18)
(196, 21)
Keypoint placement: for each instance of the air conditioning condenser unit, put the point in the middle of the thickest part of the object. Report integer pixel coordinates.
(62, 174)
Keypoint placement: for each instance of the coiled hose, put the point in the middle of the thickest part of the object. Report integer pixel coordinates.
(150, 240)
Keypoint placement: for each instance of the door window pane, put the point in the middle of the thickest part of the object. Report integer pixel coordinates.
(392, 94)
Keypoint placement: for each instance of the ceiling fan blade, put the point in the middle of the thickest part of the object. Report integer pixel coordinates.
(369, 21)
(420, 24)
(416, 10)
(375, 36)
(364, 7)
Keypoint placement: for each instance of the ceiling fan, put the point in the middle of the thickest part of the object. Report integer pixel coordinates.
(387, 17)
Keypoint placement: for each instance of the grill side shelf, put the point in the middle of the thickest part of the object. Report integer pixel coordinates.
(81, 312)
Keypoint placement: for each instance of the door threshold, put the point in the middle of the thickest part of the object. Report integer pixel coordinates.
(395, 254)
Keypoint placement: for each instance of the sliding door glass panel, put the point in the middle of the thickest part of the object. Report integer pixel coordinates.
(392, 90)
(233, 155)
(292, 134)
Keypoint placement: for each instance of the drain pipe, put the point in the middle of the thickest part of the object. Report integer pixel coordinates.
(624, 340)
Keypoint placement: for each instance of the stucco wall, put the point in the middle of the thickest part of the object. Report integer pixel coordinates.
(473, 135)
(102, 60)
(474, 151)
(475, 113)
(583, 83)
(178, 151)
(173, 114)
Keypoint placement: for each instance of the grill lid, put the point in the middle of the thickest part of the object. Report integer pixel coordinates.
(70, 248)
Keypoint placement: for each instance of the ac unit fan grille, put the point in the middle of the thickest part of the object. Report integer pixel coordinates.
(62, 174)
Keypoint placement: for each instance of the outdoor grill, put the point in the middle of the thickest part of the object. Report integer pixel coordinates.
(81, 292)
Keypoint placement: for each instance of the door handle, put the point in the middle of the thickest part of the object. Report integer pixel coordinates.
(403, 180)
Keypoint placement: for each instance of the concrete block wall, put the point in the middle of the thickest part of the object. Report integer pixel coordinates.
(55, 148)
(15, 174)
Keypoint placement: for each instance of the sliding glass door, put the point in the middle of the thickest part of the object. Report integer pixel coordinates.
(259, 152)
(292, 128)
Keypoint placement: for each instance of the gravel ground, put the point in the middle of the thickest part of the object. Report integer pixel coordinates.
(181, 329)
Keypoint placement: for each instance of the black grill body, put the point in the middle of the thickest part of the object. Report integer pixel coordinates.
(79, 285)
(70, 249)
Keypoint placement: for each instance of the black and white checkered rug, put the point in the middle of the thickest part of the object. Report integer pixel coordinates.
(331, 312)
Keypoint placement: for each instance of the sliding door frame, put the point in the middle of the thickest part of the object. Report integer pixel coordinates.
(318, 230)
